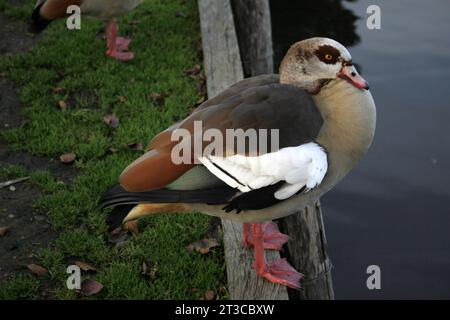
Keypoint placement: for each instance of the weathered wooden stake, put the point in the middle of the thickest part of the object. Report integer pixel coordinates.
(306, 250)
(254, 33)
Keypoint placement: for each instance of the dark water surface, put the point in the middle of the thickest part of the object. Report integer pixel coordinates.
(393, 210)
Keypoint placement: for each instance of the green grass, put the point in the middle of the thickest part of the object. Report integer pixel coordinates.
(22, 287)
(92, 85)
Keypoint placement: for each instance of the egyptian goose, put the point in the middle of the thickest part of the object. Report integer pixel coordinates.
(106, 10)
(326, 119)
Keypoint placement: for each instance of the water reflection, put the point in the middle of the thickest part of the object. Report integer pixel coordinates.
(393, 209)
(302, 19)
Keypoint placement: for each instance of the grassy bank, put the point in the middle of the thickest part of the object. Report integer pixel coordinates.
(146, 94)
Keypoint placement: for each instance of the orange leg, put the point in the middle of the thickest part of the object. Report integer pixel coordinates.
(278, 271)
(117, 46)
(273, 239)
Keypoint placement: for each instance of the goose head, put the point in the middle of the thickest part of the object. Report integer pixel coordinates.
(313, 63)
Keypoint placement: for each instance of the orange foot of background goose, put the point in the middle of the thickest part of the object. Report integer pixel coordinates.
(117, 46)
(46, 11)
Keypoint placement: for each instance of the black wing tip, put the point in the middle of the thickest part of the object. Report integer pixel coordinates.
(115, 218)
(117, 215)
(108, 197)
(38, 23)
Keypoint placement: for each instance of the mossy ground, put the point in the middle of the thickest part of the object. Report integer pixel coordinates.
(70, 65)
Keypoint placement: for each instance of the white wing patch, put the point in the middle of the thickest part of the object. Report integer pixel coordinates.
(302, 166)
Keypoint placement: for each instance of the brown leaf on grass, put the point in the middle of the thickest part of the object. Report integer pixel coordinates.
(136, 146)
(201, 86)
(210, 295)
(58, 89)
(113, 150)
(111, 120)
(68, 158)
(116, 231)
(132, 226)
(201, 100)
(37, 269)
(122, 99)
(195, 70)
(159, 98)
(3, 231)
(62, 105)
(180, 14)
(203, 246)
(84, 266)
(118, 236)
(156, 96)
(149, 269)
(90, 287)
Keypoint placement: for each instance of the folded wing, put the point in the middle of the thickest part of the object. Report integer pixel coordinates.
(255, 103)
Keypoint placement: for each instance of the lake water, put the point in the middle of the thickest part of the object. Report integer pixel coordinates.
(393, 210)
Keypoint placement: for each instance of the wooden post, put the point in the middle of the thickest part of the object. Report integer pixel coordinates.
(254, 32)
(306, 250)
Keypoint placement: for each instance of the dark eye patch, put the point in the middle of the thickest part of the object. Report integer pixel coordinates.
(328, 54)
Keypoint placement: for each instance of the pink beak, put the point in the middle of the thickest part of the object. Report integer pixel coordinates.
(350, 74)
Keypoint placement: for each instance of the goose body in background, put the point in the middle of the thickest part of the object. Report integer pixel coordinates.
(326, 118)
(106, 10)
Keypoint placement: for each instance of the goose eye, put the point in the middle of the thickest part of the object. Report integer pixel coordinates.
(328, 57)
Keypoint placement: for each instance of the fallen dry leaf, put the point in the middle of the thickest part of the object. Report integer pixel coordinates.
(68, 158)
(84, 266)
(210, 295)
(201, 88)
(195, 70)
(90, 287)
(62, 105)
(201, 100)
(149, 269)
(118, 236)
(180, 14)
(113, 150)
(3, 231)
(156, 96)
(159, 98)
(136, 146)
(111, 120)
(58, 90)
(203, 246)
(132, 226)
(116, 231)
(37, 269)
(122, 99)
